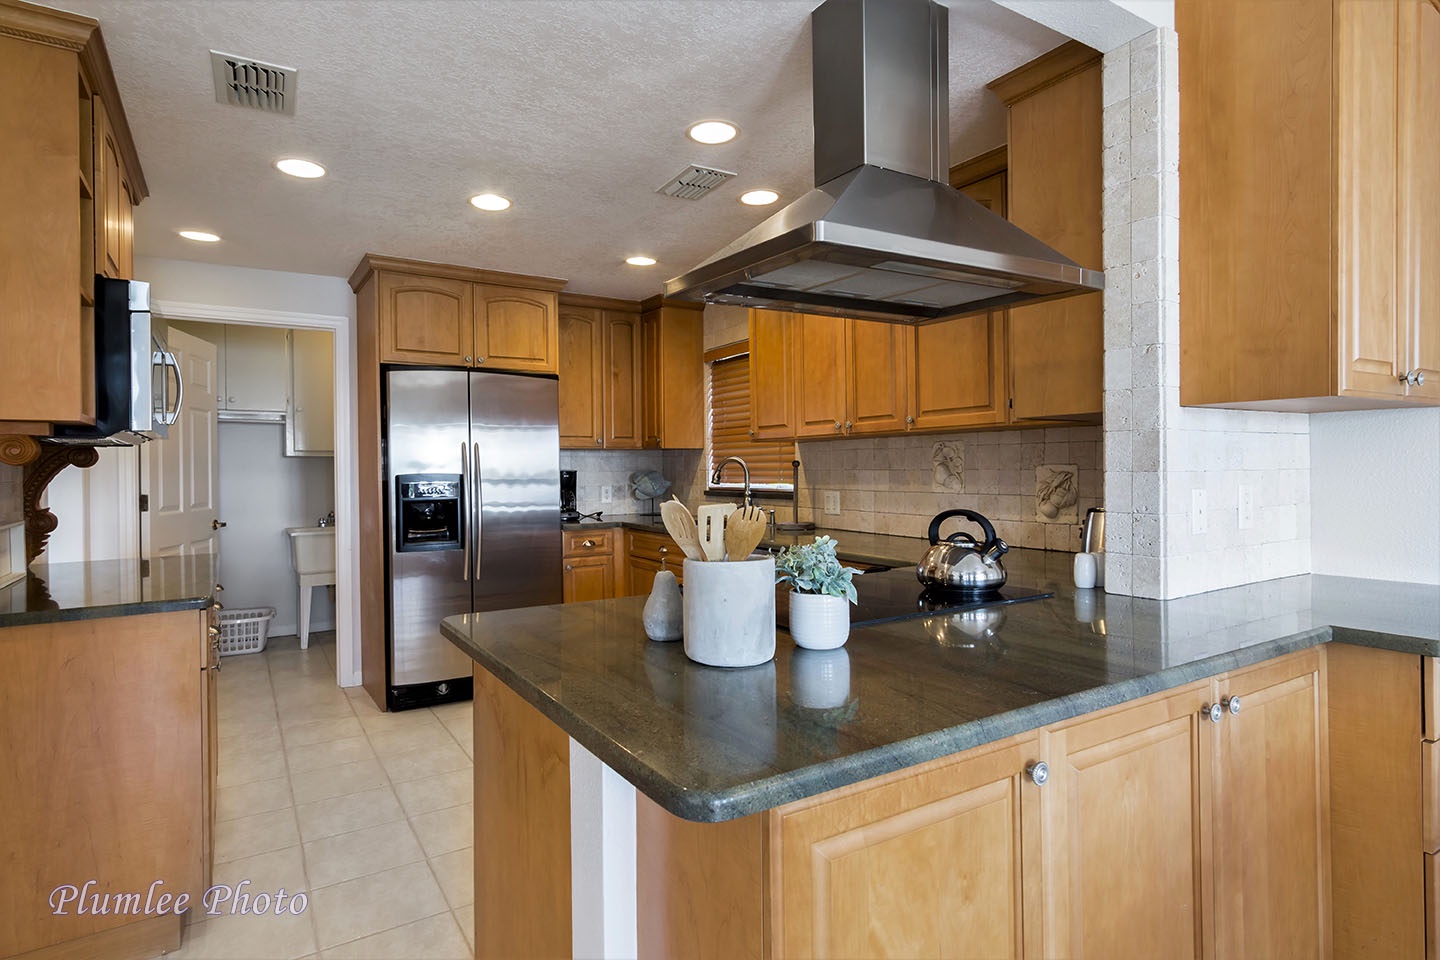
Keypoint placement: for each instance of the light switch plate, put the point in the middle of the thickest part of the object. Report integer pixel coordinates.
(606, 493)
(1199, 522)
(832, 503)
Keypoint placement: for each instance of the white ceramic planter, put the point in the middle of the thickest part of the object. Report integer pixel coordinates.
(730, 612)
(820, 679)
(819, 621)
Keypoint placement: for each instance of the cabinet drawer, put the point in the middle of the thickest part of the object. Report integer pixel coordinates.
(1430, 691)
(586, 543)
(654, 546)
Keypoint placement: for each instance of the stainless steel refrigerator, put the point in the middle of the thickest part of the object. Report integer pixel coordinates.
(472, 470)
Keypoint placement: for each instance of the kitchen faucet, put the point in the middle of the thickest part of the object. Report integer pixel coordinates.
(745, 467)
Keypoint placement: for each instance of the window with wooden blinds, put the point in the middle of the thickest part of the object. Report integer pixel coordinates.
(729, 435)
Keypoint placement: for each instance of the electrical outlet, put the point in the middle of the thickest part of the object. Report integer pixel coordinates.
(1247, 506)
(606, 494)
(832, 502)
(1199, 521)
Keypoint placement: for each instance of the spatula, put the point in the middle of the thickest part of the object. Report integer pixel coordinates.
(681, 526)
(711, 519)
(743, 532)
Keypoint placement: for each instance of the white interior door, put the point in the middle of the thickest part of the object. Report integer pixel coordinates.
(181, 473)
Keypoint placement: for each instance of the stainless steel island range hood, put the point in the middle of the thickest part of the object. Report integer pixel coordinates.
(883, 236)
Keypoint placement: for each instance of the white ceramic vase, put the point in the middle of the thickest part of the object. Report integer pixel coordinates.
(819, 621)
(729, 612)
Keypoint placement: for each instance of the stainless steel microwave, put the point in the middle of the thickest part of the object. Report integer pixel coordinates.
(138, 384)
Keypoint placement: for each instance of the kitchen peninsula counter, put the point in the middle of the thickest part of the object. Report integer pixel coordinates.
(710, 744)
(99, 589)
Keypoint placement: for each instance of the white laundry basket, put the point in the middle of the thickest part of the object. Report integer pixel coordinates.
(244, 631)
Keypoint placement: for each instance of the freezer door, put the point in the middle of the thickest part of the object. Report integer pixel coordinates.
(427, 430)
(515, 436)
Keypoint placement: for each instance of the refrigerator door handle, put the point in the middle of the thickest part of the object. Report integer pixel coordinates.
(465, 489)
(479, 509)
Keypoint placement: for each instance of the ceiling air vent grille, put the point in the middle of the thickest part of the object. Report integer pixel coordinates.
(694, 182)
(251, 83)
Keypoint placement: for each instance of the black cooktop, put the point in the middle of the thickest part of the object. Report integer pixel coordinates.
(897, 594)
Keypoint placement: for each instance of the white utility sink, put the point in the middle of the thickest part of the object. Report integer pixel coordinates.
(312, 554)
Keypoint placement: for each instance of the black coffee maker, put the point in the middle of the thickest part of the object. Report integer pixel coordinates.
(569, 503)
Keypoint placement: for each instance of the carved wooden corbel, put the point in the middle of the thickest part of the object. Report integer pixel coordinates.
(39, 471)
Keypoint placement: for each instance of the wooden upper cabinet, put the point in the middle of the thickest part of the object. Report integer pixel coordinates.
(956, 372)
(515, 329)
(582, 400)
(819, 373)
(446, 315)
(1307, 264)
(928, 863)
(1057, 349)
(877, 382)
(426, 320)
(772, 386)
(673, 361)
(600, 360)
(69, 180)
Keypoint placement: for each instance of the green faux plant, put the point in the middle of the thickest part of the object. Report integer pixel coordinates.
(814, 568)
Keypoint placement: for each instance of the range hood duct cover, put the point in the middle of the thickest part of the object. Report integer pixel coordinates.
(883, 237)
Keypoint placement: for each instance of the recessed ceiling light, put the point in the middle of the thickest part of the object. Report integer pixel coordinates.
(759, 198)
(713, 131)
(304, 169)
(200, 236)
(640, 261)
(489, 201)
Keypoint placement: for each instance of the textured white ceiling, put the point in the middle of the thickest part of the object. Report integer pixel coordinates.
(576, 111)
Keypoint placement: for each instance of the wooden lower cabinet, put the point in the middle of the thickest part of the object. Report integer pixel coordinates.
(646, 554)
(590, 568)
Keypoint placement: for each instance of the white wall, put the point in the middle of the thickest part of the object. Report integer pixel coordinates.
(185, 281)
(1375, 494)
(97, 509)
(262, 492)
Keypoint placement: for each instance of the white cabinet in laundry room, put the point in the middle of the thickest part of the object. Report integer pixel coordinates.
(255, 372)
(310, 419)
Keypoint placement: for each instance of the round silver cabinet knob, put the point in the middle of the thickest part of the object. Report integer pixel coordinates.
(599, 441)
(910, 420)
(1232, 704)
(1416, 378)
(469, 359)
(1039, 773)
(837, 425)
(1215, 712)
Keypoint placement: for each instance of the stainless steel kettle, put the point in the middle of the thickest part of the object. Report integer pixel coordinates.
(960, 563)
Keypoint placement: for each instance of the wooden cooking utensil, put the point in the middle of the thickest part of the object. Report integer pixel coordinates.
(680, 524)
(711, 519)
(743, 532)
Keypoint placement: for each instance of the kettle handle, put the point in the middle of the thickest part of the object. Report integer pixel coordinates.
(985, 525)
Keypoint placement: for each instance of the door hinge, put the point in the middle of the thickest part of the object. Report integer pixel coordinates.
(144, 568)
(144, 503)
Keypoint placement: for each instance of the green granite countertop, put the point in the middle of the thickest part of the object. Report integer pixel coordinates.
(107, 588)
(711, 744)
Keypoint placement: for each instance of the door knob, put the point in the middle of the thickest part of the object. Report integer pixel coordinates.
(217, 524)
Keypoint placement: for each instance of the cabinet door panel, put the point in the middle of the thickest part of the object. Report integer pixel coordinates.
(819, 376)
(425, 320)
(581, 396)
(1371, 341)
(1128, 870)
(257, 368)
(623, 394)
(927, 865)
(588, 578)
(878, 391)
(310, 423)
(515, 329)
(1271, 802)
(1420, 192)
(772, 388)
(957, 372)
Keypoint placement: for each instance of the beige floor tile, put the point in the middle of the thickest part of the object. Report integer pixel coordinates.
(309, 710)
(321, 731)
(241, 763)
(361, 853)
(443, 831)
(316, 756)
(267, 873)
(465, 919)
(374, 719)
(253, 685)
(387, 742)
(466, 738)
(261, 833)
(338, 781)
(455, 714)
(245, 799)
(326, 818)
(434, 938)
(238, 730)
(456, 872)
(436, 793)
(358, 908)
(415, 764)
(248, 938)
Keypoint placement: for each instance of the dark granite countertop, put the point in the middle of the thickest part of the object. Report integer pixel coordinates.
(107, 588)
(711, 744)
